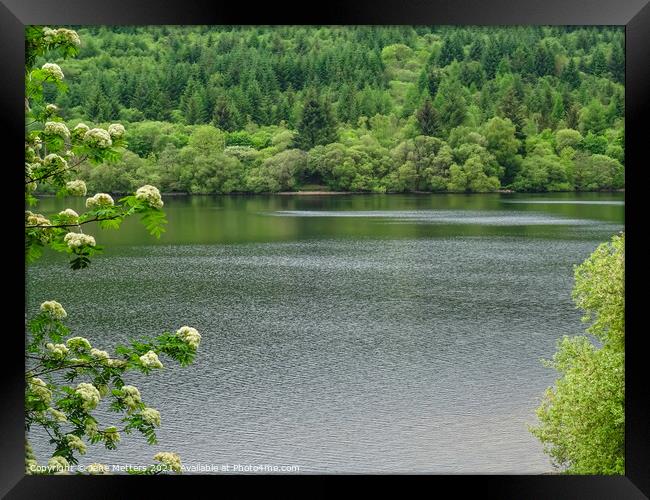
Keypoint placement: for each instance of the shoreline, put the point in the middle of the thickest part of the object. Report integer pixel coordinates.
(339, 193)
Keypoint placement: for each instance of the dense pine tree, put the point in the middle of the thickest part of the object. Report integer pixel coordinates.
(317, 124)
(427, 117)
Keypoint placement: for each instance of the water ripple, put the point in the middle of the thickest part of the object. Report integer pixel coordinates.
(488, 218)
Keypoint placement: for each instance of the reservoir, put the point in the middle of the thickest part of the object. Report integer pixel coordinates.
(340, 333)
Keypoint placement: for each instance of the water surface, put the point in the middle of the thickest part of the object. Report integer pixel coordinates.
(352, 333)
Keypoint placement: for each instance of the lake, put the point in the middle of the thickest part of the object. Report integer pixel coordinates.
(347, 333)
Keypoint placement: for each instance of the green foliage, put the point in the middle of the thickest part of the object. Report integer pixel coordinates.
(582, 417)
(53, 153)
(593, 172)
(189, 93)
(64, 410)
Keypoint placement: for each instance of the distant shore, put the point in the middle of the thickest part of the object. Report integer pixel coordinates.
(331, 193)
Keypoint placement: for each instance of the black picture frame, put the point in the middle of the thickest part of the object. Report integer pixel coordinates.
(633, 14)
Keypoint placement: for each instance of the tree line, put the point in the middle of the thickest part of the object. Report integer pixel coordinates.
(371, 109)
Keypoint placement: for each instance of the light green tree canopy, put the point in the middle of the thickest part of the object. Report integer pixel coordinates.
(582, 417)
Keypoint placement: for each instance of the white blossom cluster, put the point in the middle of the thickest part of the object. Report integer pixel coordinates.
(76, 188)
(75, 443)
(58, 463)
(89, 395)
(98, 138)
(61, 35)
(131, 396)
(53, 70)
(97, 469)
(30, 156)
(50, 109)
(91, 427)
(116, 131)
(59, 416)
(69, 215)
(116, 363)
(112, 435)
(54, 309)
(169, 459)
(39, 388)
(76, 240)
(151, 416)
(78, 344)
(57, 350)
(99, 354)
(37, 219)
(100, 200)
(55, 161)
(150, 360)
(150, 195)
(190, 336)
(57, 128)
(80, 130)
(29, 170)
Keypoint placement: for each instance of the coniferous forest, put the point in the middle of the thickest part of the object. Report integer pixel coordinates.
(366, 109)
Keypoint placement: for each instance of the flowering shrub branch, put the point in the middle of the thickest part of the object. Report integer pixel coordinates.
(91, 375)
(67, 378)
(53, 152)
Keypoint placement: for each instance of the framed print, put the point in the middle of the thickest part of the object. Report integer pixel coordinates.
(378, 239)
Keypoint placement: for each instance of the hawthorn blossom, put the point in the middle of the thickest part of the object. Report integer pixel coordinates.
(75, 443)
(57, 128)
(69, 36)
(59, 416)
(37, 219)
(61, 35)
(150, 195)
(57, 350)
(190, 336)
(169, 460)
(78, 343)
(58, 463)
(91, 427)
(151, 416)
(89, 395)
(131, 396)
(76, 188)
(150, 360)
(100, 200)
(112, 435)
(40, 390)
(116, 363)
(69, 215)
(98, 138)
(55, 161)
(76, 240)
(53, 70)
(116, 130)
(54, 309)
(80, 130)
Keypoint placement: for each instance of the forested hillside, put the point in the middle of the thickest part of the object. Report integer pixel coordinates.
(376, 109)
